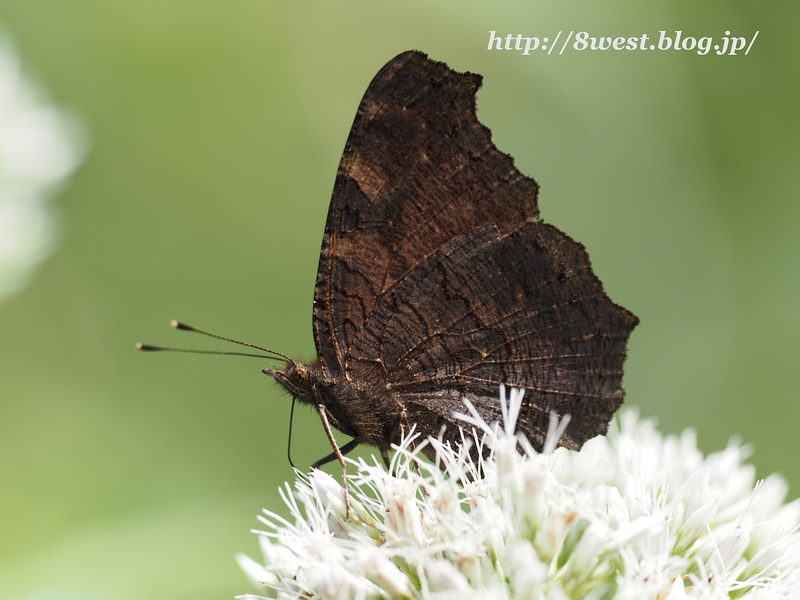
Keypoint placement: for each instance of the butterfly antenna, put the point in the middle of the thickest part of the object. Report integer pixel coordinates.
(151, 348)
(178, 325)
(184, 326)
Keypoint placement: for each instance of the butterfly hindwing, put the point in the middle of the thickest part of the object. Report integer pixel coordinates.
(522, 308)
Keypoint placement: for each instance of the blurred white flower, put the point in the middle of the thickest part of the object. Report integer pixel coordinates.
(634, 515)
(40, 145)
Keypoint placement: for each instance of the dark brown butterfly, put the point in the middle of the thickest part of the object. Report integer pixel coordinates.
(437, 281)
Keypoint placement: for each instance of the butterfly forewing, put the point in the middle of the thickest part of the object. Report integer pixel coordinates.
(418, 170)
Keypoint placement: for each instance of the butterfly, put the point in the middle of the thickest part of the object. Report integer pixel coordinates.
(438, 281)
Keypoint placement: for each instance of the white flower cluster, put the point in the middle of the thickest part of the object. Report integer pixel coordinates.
(40, 145)
(634, 515)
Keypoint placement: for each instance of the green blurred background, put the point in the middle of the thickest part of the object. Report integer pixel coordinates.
(216, 129)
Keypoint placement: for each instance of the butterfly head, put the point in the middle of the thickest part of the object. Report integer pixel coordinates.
(296, 378)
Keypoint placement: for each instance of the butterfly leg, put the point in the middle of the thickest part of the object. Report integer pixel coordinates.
(348, 447)
(324, 416)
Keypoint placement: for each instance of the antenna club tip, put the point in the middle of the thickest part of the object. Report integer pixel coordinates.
(175, 324)
(140, 346)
